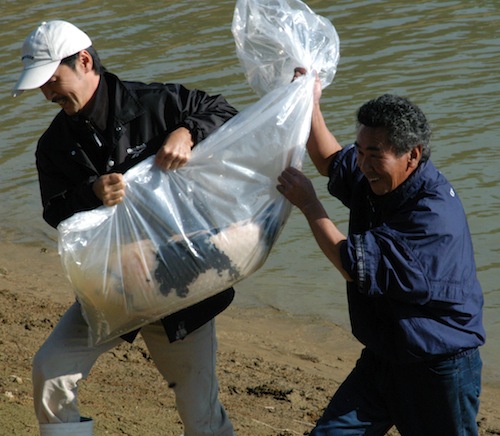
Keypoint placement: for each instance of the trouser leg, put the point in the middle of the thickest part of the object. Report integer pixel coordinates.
(437, 398)
(61, 362)
(189, 366)
(357, 407)
(426, 398)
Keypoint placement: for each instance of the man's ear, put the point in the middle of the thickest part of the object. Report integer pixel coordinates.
(86, 60)
(415, 156)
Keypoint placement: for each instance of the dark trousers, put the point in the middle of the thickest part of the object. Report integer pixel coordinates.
(432, 398)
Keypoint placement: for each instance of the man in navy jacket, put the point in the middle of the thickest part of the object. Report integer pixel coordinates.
(415, 302)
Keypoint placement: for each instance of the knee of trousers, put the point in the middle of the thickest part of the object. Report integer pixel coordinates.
(45, 365)
(50, 373)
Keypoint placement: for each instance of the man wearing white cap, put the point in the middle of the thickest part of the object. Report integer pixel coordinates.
(106, 126)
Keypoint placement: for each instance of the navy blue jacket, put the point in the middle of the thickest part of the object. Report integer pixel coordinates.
(415, 294)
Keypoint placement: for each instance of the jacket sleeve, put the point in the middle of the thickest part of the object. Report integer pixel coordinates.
(410, 266)
(199, 112)
(382, 263)
(60, 198)
(343, 174)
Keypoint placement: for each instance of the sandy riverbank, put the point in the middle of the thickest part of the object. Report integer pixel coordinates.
(277, 372)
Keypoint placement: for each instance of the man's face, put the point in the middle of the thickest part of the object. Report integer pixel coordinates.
(383, 169)
(71, 89)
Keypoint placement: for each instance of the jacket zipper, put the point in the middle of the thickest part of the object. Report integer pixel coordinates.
(94, 133)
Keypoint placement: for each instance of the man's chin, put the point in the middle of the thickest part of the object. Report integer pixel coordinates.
(378, 190)
(69, 112)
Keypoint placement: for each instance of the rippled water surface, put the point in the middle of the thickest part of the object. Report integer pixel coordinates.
(442, 54)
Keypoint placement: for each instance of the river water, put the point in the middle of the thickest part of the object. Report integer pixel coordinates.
(442, 54)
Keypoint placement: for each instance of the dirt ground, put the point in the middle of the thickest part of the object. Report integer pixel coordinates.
(276, 372)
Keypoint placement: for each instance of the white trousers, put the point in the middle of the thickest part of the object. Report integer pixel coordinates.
(188, 366)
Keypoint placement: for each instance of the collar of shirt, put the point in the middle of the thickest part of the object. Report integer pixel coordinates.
(96, 110)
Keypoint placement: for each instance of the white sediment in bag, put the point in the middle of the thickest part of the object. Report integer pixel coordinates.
(184, 235)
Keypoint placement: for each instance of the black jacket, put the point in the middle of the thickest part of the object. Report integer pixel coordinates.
(70, 158)
(126, 122)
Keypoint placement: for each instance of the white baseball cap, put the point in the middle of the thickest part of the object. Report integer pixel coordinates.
(44, 49)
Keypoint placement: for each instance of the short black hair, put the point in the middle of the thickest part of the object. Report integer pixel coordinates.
(404, 122)
(98, 67)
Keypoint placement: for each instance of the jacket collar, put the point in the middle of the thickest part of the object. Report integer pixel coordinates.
(126, 102)
(97, 109)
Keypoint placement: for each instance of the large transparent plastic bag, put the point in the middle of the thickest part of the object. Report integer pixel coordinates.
(275, 36)
(184, 235)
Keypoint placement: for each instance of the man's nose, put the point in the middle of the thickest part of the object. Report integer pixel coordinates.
(47, 92)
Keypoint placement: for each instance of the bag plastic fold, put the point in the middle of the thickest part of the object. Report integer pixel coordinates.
(182, 236)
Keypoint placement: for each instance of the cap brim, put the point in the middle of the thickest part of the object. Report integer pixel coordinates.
(34, 76)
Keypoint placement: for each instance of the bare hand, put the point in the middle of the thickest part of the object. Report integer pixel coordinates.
(110, 188)
(176, 150)
(300, 71)
(297, 188)
(297, 72)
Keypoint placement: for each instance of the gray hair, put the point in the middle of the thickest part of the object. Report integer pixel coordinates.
(404, 122)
